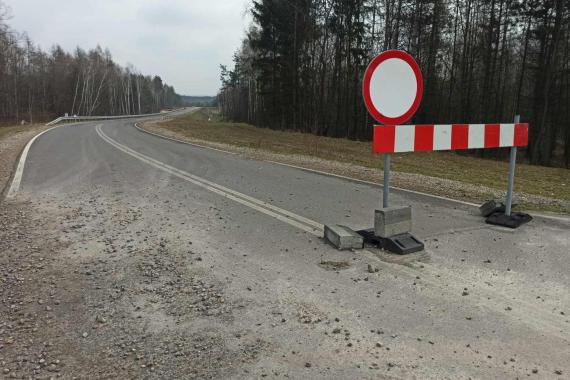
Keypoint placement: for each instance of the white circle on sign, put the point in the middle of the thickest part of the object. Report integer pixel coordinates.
(393, 87)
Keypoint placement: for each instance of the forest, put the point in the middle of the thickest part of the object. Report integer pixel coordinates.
(301, 64)
(37, 86)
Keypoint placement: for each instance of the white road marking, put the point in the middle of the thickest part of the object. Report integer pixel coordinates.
(328, 174)
(437, 277)
(183, 142)
(526, 313)
(17, 180)
(544, 216)
(288, 217)
(375, 184)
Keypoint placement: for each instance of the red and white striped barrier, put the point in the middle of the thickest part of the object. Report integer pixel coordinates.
(416, 138)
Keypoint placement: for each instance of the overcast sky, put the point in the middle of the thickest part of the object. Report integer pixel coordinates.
(183, 41)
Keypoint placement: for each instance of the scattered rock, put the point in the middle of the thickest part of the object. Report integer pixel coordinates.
(372, 269)
(100, 319)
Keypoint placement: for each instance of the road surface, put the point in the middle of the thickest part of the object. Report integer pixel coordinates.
(170, 224)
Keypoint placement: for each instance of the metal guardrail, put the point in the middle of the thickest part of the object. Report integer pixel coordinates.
(88, 118)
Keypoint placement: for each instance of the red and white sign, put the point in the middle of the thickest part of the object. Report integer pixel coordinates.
(393, 87)
(415, 138)
(393, 90)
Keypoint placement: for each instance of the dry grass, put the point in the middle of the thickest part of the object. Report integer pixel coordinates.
(10, 130)
(541, 181)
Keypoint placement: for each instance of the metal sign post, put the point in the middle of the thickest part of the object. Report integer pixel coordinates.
(392, 90)
(433, 137)
(511, 183)
(495, 213)
(386, 189)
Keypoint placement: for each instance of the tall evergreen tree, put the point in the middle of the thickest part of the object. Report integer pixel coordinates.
(301, 64)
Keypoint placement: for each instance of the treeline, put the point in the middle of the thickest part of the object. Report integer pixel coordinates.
(37, 85)
(199, 101)
(301, 65)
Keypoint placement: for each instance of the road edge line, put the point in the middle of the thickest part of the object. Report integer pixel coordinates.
(19, 172)
(308, 169)
(536, 318)
(561, 218)
(182, 141)
(276, 212)
(375, 184)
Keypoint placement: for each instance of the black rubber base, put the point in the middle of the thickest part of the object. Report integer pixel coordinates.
(515, 220)
(369, 237)
(402, 244)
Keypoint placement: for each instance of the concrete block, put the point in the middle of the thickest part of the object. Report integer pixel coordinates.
(493, 206)
(392, 221)
(343, 237)
(490, 207)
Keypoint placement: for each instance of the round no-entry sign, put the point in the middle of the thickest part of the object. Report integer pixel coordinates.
(393, 87)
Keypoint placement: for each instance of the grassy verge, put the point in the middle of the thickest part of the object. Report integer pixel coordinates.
(544, 188)
(9, 131)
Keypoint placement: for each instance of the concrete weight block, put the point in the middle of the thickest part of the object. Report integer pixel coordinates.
(343, 238)
(392, 221)
(491, 207)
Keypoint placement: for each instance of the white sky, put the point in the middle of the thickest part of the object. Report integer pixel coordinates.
(183, 41)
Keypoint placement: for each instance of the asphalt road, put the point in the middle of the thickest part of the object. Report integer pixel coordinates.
(481, 302)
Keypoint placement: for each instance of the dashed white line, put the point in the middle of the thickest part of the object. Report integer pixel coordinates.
(278, 213)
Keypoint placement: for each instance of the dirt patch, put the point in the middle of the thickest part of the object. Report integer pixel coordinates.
(86, 296)
(334, 265)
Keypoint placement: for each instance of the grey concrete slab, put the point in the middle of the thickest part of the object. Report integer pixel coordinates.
(392, 221)
(343, 238)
